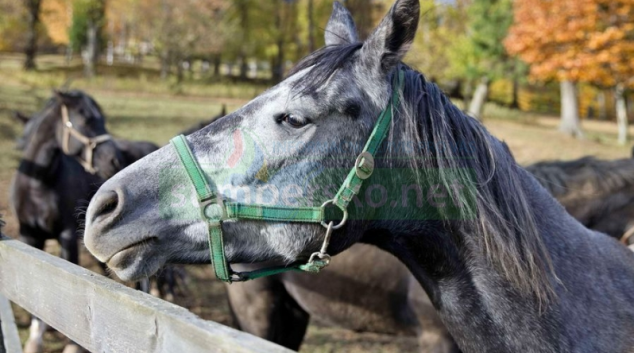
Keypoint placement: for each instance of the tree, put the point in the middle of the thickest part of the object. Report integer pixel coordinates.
(363, 12)
(86, 31)
(33, 19)
(311, 26)
(55, 16)
(180, 29)
(607, 60)
(439, 28)
(484, 57)
(576, 41)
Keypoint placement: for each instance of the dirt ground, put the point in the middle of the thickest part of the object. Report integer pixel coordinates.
(530, 138)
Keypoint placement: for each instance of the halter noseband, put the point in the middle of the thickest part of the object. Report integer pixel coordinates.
(208, 198)
(90, 143)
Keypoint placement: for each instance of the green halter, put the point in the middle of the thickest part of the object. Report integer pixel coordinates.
(208, 199)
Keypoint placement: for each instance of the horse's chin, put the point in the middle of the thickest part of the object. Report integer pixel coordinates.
(133, 265)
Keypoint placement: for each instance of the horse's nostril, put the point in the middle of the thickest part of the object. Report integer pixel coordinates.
(105, 204)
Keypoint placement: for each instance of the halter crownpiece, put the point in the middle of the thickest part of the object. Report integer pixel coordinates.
(90, 143)
(208, 199)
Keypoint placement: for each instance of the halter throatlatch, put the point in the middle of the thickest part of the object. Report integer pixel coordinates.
(90, 143)
(214, 210)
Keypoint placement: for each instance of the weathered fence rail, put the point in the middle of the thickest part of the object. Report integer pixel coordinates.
(9, 338)
(104, 316)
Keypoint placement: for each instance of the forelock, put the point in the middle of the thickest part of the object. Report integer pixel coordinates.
(323, 63)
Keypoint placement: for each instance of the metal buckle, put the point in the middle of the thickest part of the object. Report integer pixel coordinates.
(322, 254)
(209, 201)
(364, 165)
(238, 277)
(343, 220)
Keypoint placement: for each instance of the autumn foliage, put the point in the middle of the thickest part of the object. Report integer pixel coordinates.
(577, 40)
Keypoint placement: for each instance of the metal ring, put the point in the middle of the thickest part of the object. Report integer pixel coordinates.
(324, 257)
(343, 220)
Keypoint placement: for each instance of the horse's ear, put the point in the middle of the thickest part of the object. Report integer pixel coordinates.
(21, 117)
(63, 97)
(223, 112)
(391, 40)
(340, 28)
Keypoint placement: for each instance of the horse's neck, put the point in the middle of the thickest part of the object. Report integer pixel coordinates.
(472, 298)
(43, 152)
(40, 161)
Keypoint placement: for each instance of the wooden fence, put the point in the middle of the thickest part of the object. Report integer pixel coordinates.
(101, 315)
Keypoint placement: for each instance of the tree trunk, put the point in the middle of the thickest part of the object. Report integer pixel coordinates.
(244, 67)
(69, 55)
(570, 123)
(243, 7)
(278, 67)
(33, 9)
(90, 56)
(362, 12)
(602, 114)
(466, 96)
(515, 101)
(165, 64)
(217, 59)
(110, 53)
(179, 69)
(621, 114)
(479, 98)
(311, 27)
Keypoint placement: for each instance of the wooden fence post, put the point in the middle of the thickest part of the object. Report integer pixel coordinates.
(9, 338)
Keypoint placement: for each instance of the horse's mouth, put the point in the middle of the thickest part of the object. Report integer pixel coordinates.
(123, 258)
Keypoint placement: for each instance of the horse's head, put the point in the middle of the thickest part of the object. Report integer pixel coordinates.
(268, 152)
(80, 132)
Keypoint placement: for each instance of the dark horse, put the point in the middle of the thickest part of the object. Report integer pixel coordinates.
(598, 193)
(505, 266)
(58, 173)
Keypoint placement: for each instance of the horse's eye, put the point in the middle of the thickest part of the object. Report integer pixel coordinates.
(294, 121)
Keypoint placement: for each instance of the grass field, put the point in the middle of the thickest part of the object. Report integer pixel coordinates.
(140, 106)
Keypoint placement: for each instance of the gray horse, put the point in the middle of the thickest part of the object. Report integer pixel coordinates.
(504, 265)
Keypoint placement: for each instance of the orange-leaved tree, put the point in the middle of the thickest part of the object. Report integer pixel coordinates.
(577, 41)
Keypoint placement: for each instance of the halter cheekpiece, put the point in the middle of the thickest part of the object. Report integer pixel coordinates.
(90, 143)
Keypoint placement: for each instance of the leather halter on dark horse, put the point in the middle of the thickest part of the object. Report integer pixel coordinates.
(90, 143)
